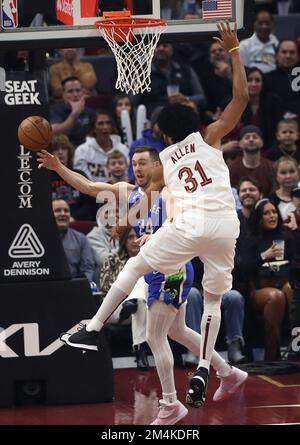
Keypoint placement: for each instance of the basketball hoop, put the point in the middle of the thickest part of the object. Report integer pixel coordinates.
(133, 52)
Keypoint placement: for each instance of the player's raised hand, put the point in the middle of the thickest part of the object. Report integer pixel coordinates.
(228, 39)
(47, 160)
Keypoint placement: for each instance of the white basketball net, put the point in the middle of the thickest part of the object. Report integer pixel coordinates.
(133, 54)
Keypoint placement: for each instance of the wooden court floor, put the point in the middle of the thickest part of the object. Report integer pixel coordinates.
(263, 400)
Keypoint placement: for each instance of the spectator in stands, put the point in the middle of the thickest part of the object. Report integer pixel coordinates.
(122, 102)
(294, 226)
(71, 65)
(280, 79)
(293, 222)
(259, 50)
(286, 174)
(250, 192)
(100, 237)
(251, 163)
(166, 71)
(77, 248)
(151, 137)
(216, 78)
(70, 116)
(117, 167)
(270, 290)
(82, 206)
(263, 109)
(91, 157)
(135, 303)
(288, 143)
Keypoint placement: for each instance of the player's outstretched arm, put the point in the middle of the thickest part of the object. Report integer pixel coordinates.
(240, 96)
(76, 180)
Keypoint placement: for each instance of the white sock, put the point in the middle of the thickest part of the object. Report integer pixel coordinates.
(170, 398)
(222, 368)
(94, 325)
(159, 320)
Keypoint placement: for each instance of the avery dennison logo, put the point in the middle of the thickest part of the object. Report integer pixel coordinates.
(26, 244)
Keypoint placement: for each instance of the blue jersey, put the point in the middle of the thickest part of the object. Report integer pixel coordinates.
(155, 216)
(171, 289)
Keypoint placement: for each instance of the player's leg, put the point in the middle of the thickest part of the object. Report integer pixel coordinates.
(217, 255)
(87, 338)
(139, 323)
(191, 340)
(160, 318)
(231, 378)
(210, 325)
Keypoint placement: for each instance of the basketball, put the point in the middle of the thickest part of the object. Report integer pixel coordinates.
(35, 133)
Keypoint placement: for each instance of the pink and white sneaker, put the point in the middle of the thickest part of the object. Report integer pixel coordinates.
(230, 384)
(170, 414)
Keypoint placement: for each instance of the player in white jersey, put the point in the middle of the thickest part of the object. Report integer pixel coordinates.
(202, 190)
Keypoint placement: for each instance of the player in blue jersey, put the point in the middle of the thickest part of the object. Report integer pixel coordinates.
(166, 296)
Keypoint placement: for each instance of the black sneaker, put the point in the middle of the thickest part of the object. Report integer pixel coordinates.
(128, 308)
(198, 387)
(82, 339)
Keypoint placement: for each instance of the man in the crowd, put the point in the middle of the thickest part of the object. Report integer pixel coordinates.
(77, 249)
(252, 163)
(282, 79)
(259, 50)
(70, 116)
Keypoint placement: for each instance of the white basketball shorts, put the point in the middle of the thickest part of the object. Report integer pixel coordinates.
(172, 246)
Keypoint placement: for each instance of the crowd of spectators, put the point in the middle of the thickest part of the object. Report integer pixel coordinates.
(262, 153)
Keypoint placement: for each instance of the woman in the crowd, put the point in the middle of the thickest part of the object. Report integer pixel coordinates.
(91, 156)
(82, 207)
(135, 304)
(286, 175)
(268, 278)
(263, 109)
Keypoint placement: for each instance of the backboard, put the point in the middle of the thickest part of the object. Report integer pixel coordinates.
(187, 20)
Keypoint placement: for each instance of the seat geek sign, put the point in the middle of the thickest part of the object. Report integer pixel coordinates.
(31, 248)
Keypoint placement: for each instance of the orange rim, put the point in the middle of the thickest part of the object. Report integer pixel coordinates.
(129, 23)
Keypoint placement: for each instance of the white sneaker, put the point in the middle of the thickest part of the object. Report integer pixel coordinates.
(170, 414)
(230, 384)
